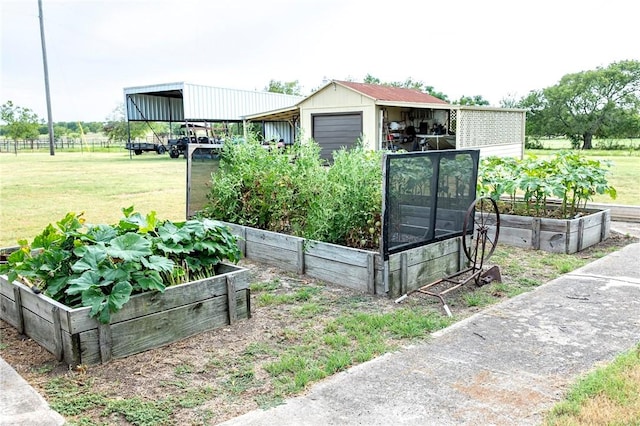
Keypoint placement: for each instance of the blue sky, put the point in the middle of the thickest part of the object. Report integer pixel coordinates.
(491, 48)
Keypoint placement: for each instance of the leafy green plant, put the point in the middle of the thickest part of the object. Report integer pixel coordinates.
(571, 177)
(295, 192)
(101, 266)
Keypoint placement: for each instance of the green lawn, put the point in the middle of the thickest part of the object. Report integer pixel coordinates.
(37, 189)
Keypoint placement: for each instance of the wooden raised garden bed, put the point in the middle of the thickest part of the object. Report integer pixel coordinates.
(147, 321)
(360, 270)
(555, 235)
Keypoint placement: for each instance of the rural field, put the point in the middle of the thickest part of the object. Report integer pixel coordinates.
(302, 330)
(37, 189)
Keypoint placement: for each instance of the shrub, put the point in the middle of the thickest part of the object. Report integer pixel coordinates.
(101, 266)
(569, 176)
(294, 191)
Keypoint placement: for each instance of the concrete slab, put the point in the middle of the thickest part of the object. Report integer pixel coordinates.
(20, 404)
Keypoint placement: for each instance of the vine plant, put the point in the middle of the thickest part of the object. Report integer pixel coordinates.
(101, 266)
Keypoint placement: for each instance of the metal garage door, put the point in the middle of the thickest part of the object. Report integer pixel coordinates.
(333, 131)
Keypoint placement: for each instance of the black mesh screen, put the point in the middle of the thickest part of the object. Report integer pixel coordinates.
(426, 197)
(201, 163)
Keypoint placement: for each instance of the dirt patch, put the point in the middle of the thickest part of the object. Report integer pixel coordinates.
(220, 374)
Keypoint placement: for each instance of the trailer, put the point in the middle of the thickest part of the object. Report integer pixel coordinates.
(140, 147)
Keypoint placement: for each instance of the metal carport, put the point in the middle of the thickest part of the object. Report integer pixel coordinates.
(184, 102)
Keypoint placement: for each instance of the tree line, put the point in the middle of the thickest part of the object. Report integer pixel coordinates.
(600, 103)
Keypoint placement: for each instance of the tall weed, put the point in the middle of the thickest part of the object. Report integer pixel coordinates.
(293, 191)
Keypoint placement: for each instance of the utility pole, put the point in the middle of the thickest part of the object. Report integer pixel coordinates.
(46, 80)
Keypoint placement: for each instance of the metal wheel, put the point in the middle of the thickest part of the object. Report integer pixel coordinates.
(482, 223)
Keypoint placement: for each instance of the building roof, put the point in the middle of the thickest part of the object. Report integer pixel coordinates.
(175, 102)
(392, 94)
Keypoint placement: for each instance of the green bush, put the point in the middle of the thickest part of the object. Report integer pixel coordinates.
(569, 176)
(101, 266)
(294, 191)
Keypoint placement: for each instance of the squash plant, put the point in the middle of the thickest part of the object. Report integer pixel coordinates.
(569, 176)
(101, 266)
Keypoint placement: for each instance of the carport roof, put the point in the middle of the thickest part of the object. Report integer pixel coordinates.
(282, 114)
(175, 102)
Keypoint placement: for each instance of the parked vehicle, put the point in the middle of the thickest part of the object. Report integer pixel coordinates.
(191, 133)
(140, 147)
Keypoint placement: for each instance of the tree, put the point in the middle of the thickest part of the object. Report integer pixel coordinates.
(285, 87)
(472, 100)
(603, 103)
(116, 126)
(510, 101)
(20, 122)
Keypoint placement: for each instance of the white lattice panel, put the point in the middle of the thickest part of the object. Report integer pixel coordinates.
(477, 128)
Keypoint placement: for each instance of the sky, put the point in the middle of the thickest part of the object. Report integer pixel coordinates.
(496, 49)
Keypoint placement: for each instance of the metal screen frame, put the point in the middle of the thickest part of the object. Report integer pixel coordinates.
(435, 158)
(210, 156)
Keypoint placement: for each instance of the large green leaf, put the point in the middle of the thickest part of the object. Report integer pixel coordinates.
(87, 280)
(158, 263)
(90, 258)
(103, 233)
(177, 248)
(56, 285)
(149, 280)
(120, 294)
(170, 233)
(129, 247)
(95, 298)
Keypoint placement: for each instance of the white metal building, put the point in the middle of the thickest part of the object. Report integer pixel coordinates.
(184, 102)
(342, 112)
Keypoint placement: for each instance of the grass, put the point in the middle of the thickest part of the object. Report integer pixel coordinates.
(329, 335)
(609, 395)
(37, 189)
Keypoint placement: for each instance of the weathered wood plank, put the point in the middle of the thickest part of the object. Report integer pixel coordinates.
(591, 236)
(9, 312)
(336, 253)
(40, 304)
(57, 333)
(6, 289)
(425, 253)
(174, 296)
(39, 329)
(286, 242)
(285, 259)
(231, 296)
(300, 257)
(404, 273)
(371, 274)
(426, 273)
(352, 276)
(160, 329)
(553, 242)
(71, 349)
(535, 233)
(17, 301)
(105, 342)
(517, 237)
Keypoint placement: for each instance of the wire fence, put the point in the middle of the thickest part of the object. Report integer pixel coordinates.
(66, 144)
